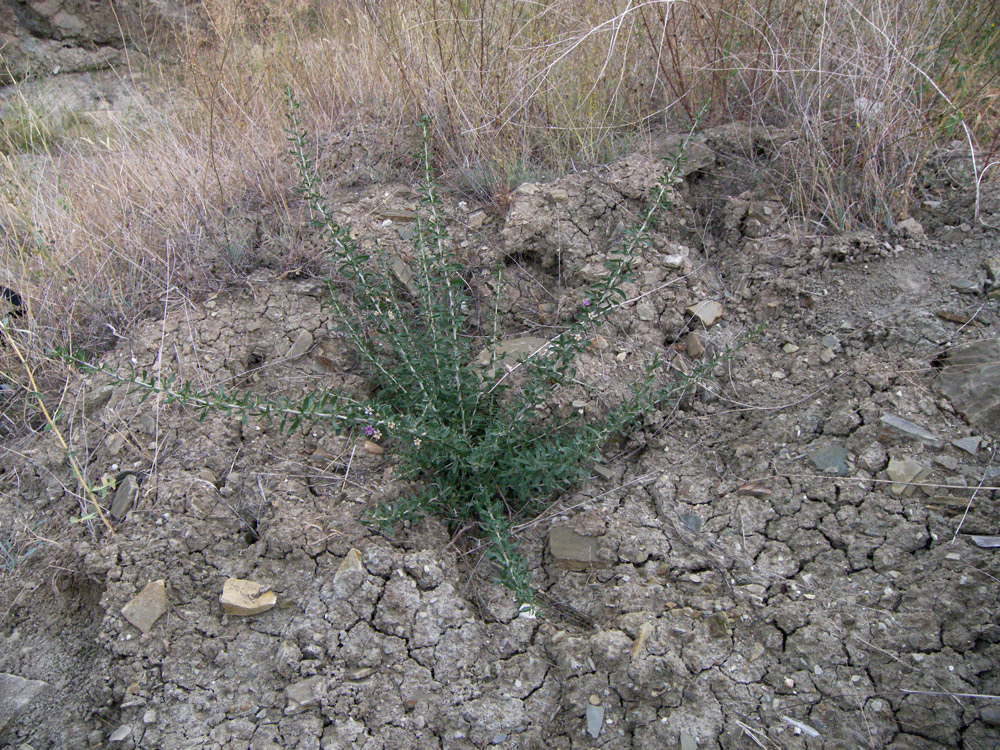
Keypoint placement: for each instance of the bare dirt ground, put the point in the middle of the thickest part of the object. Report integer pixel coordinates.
(748, 568)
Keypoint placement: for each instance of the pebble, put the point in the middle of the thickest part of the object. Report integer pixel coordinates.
(242, 597)
(826, 356)
(965, 286)
(146, 608)
(571, 550)
(692, 344)
(829, 341)
(968, 444)
(706, 311)
(789, 348)
(125, 497)
(645, 311)
(830, 459)
(303, 694)
(373, 448)
(903, 473)
(986, 542)
(350, 564)
(639, 647)
(910, 228)
(595, 717)
(908, 429)
(303, 343)
(120, 733)
(688, 742)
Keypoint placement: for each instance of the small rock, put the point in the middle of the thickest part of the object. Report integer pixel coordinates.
(965, 286)
(986, 542)
(120, 733)
(789, 348)
(645, 311)
(688, 742)
(125, 496)
(706, 311)
(499, 739)
(350, 564)
(992, 266)
(830, 459)
(242, 597)
(16, 694)
(146, 608)
(903, 473)
(639, 647)
(373, 448)
(149, 717)
(573, 551)
(477, 219)
(842, 422)
(676, 260)
(691, 521)
(303, 694)
(753, 489)
(948, 462)
(991, 714)
(826, 356)
(968, 444)
(910, 228)
(692, 344)
(97, 399)
(303, 343)
(595, 717)
(779, 375)
(829, 341)
(908, 429)
(558, 195)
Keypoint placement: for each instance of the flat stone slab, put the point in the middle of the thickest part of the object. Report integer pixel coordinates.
(971, 380)
(904, 473)
(242, 597)
(146, 608)
(830, 459)
(573, 551)
(907, 429)
(706, 311)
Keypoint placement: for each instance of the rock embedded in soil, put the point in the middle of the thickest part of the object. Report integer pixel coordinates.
(692, 344)
(830, 458)
(125, 497)
(595, 716)
(707, 312)
(904, 473)
(970, 378)
(146, 608)
(508, 352)
(968, 444)
(907, 429)
(573, 551)
(242, 597)
(303, 343)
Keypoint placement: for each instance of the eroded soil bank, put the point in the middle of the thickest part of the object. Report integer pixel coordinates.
(794, 556)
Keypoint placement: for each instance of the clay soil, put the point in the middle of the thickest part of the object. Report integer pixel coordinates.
(740, 572)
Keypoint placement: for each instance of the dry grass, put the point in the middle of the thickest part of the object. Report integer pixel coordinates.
(108, 221)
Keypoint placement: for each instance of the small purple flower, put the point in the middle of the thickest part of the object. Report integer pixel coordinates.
(586, 302)
(369, 430)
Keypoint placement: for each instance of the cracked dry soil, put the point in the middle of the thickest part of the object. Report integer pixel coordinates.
(740, 572)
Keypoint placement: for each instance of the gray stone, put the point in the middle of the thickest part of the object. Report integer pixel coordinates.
(965, 286)
(97, 399)
(303, 343)
(707, 312)
(908, 429)
(970, 378)
(968, 444)
(645, 311)
(688, 742)
(986, 542)
(148, 606)
(991, 714)
(830, 459)
(992, 266)
(595, 718)
(910, 228)
(16, 694)
(572, 550)
(829, 341)
(120, 733)
(301, 695)
(904, 473)
(125, 497)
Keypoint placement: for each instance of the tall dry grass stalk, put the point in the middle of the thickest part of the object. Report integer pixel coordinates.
(109, 222)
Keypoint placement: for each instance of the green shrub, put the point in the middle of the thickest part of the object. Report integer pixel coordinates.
(470, 436)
